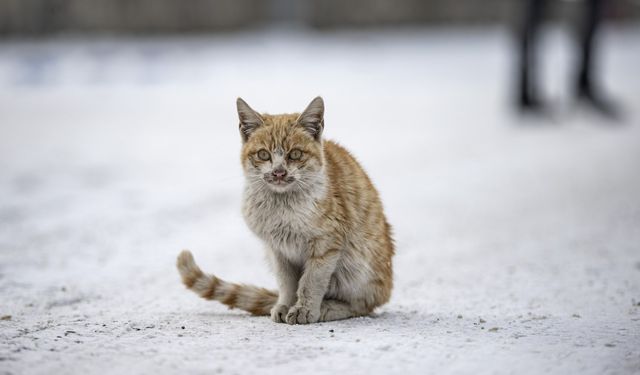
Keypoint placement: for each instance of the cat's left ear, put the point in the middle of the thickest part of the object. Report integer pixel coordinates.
(312, 119)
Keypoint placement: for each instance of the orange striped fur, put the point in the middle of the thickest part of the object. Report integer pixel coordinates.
(257, 301)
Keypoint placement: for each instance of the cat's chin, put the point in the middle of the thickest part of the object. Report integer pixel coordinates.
(280, 187)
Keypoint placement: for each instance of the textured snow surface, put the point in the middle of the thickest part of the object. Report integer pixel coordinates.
(518, 240)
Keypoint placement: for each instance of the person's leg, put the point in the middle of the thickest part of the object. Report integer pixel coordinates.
(585, 70)
(586, 88)
(528, 96)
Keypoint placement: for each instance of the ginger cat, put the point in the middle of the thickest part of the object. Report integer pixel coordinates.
(320, 218)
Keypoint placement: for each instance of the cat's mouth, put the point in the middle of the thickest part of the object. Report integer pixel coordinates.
(283, 182)
(280, 183)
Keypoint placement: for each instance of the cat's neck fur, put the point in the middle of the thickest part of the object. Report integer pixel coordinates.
(285, 221)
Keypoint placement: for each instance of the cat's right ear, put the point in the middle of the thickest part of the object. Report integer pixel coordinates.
(250, 120)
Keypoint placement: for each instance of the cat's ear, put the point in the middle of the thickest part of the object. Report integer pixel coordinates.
(250, 120)
(312, 119)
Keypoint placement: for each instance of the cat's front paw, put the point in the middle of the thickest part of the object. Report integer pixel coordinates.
(302, 315)
(279, 313)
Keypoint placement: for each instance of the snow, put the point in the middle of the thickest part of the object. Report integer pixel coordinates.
(518, 240)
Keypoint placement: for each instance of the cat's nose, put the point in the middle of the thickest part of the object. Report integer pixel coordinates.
(279, 173)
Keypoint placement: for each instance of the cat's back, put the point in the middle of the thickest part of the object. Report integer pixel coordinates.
(356, 211)
(351, 192)
(342, 166)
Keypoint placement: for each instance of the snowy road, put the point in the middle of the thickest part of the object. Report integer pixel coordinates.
(518, 241)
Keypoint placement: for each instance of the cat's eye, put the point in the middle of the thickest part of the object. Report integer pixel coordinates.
(264, 155)
(295, 154)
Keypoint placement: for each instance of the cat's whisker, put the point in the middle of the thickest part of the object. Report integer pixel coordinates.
(303, 184)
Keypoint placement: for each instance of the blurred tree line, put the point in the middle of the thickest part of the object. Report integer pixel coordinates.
(145, 16)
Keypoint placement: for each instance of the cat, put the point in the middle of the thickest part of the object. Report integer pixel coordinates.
(318, 214)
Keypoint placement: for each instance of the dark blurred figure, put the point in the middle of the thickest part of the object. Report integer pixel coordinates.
(586, 90)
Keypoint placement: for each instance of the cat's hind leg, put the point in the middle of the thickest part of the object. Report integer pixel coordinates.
(332, 309)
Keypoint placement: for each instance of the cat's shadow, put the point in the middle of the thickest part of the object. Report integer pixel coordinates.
(391, 318)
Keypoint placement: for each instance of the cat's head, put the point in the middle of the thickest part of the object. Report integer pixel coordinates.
(282, 152)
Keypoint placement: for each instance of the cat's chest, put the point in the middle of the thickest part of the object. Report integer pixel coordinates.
(287, 225)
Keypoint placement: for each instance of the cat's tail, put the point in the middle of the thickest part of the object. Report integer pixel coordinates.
(257, 301)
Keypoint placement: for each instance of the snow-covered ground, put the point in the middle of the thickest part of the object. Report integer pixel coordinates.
(518, 240)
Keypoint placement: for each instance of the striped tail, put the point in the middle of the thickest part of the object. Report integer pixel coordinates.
(257, 301)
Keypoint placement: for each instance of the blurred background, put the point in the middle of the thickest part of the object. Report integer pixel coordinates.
(509, 174)
(38, 17)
